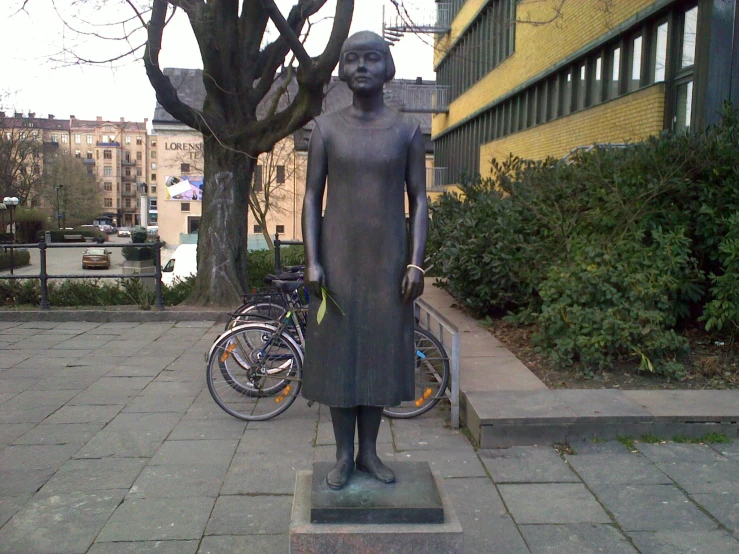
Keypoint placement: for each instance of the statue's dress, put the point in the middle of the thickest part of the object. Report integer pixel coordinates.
(365, 357)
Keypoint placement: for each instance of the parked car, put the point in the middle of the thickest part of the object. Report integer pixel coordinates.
(181, 265)
(124, 232)
(96, 257)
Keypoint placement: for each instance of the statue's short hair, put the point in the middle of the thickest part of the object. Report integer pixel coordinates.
(379, 42)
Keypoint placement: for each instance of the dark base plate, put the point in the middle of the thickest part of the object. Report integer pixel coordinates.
(413, 498)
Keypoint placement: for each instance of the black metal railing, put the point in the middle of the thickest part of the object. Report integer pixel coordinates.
(44, 277)
(278, 243)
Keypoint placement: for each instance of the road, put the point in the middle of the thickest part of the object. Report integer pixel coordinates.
(68, 261)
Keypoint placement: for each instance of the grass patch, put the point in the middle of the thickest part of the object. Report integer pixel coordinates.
(715, 438)
(628, 442)
(650, 439)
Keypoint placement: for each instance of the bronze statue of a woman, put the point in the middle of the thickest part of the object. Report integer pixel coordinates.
(367, 157)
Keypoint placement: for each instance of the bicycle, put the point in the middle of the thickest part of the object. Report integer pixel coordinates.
(257, 365)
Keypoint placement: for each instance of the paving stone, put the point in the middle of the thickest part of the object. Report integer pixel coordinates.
(325, 434)
(158, 404)
(10, 357)
(651, 508)
(187, 389)
(724, 507)
(684, 542)
(134, 371)
(83, 414)
(195, 452)
(728, 450)
(9, 505)
(527, 464)
(216, 427)
(250, 515)
(23, 482)
(33, 406)
(448, 463)
(145, 547)
(679, 452)
(65, 433)
(177, 480)
(693, 430)
(70, 378)
(253, 544)
(552, 503)
(602, 406)
(505, 435)
(277, 440)
(429, 439)
(130, 436)
(625, 468)
(151, 519)
(87, 475)
(717, 477)
(36, 456)
(584, 431)
(67, 523)
(520, 407)
(693, 405)
(487, 526)
(264, 473)
(111, 390)
(15, 385)
(11, 431)
(584, 538)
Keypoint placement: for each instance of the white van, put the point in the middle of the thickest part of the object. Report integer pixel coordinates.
(182, 264)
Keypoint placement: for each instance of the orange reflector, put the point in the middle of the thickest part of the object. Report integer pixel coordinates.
(427, 393)
(283, 395)
(228, 351)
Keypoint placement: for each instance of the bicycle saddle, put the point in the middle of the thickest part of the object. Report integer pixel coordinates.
(270, 278)
(293, 268)
(287, 286)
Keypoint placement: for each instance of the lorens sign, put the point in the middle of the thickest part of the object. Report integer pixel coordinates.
(194, 149)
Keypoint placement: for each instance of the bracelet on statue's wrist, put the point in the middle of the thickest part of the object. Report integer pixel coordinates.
(416, 267)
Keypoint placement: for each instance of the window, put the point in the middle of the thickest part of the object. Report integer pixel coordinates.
(108, 186)
(153, 155)
(690, 27)
(185, 207)
(117, 202)
(89, 154)
(127, 188)
(597, 81)
(77, 154)
(184, 168)
(153, 176)
(127, 203)
(128, 172)
(280, 229)
(139, 141)
(684, 106)
(77, 139)
(89, 139)
(64, 139)
(280, 177)
(34, 135)
(138, 156)
(107, 154)
(107, 171)
(613, 85)
(138, 172)
(257, 181)
(108, 202)
(635, 80)
(128, 139)
(660, 54)
(55, 138)
(153, 189)
(257, 228)
(152, 203)
(580, 88)
(567, 93)
(153, 165)
(153, 143)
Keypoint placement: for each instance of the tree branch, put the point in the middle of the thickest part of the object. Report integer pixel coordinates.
(287, 33)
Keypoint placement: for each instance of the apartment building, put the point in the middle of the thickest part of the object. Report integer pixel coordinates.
(542, 78)
(177, 165)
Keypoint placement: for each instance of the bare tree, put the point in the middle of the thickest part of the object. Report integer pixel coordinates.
(21, 158)
(69, 190)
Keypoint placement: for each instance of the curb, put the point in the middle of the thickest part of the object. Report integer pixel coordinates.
(122, 316)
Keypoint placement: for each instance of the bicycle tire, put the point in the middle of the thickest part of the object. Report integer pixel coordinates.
(257, 312)
(243, 391)
(431, 371)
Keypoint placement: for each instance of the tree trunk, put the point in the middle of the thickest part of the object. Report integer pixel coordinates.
(222, 274)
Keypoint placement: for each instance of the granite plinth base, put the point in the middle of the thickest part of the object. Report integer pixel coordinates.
(371, 538)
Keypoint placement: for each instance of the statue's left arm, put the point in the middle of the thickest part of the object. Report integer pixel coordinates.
(415, 178)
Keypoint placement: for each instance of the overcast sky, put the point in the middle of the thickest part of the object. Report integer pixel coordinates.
(36, 83)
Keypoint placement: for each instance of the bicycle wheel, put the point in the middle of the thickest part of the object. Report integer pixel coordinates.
(432, 377)
(254, 372)
(258, 312)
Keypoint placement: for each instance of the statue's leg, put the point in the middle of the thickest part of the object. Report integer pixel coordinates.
(344, 421)
(368, 423)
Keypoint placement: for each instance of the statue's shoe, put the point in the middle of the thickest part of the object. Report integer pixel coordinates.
(339, 474)
(376, 469)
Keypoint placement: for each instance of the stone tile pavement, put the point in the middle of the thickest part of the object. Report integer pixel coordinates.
(110, 443)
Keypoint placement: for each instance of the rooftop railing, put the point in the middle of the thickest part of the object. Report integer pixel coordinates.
(436, 18)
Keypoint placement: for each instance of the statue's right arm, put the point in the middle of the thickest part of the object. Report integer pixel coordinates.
(315, 185)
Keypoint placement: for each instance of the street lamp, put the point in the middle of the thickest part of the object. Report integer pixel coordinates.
(58, 207)
(11, 202)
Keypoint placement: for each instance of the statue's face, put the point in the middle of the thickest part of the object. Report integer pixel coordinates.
(364, 68)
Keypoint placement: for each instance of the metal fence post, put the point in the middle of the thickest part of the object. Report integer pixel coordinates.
(43, 276)
(277, 253)
(159, 304)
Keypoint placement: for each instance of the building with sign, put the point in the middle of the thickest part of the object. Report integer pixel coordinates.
(544, 78)
(279, 179)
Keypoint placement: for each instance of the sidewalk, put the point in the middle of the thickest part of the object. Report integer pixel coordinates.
(110, 442)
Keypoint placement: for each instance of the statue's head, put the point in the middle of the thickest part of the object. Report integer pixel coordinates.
(366, 63)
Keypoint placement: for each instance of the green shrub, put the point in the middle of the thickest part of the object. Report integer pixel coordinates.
(21, 257)
(179, 291)
(722, 311)
(133, 253)
(28, 222)
(261, 262)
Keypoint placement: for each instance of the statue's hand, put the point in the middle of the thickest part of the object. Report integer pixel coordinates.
(314, 278)
(412, 286)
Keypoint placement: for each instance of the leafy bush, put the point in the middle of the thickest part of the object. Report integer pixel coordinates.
(28, 222)
(722, 312)
(133, 253)
(261, 262)
(20, 258)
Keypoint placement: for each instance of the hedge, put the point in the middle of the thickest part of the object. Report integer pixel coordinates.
(21, 257)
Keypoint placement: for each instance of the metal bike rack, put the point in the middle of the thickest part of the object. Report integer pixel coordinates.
(448, 334)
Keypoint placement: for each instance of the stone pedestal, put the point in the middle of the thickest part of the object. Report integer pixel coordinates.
(354, 513)
(136, 267)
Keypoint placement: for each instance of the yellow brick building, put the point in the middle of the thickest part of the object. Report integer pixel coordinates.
(542, 78)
